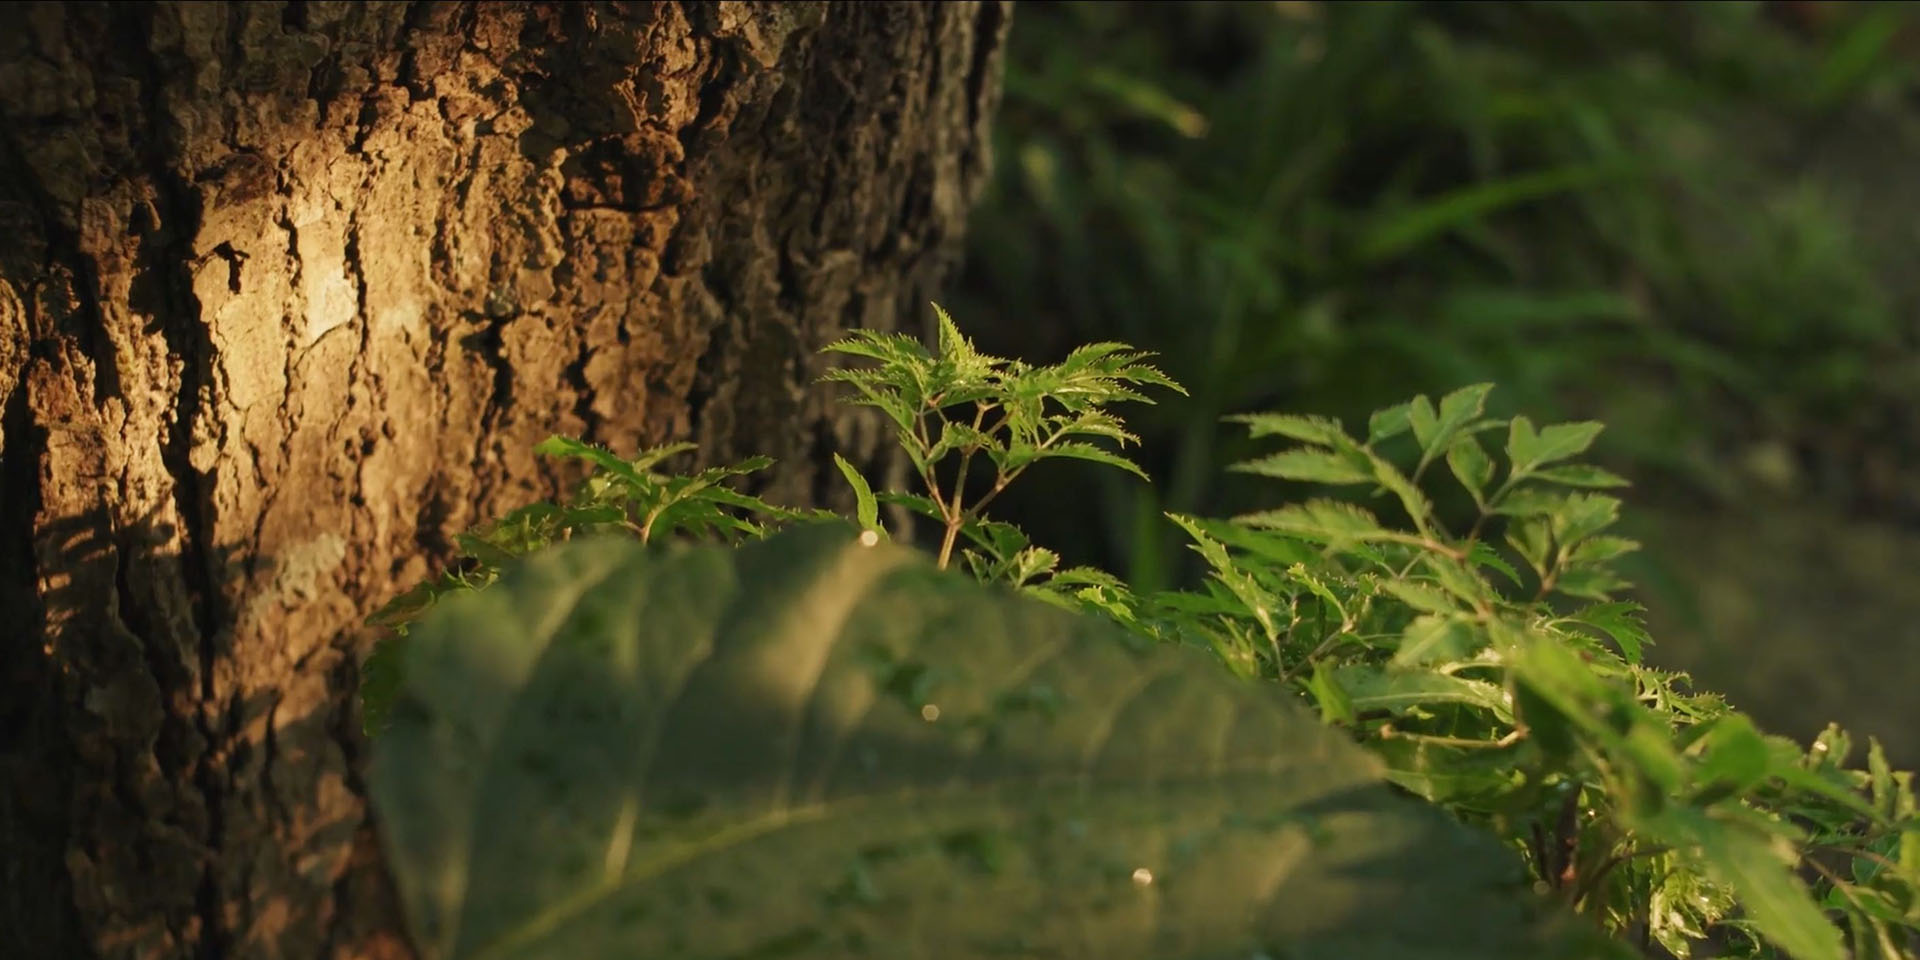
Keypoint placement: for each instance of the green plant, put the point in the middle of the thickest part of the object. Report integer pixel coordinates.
(619, 495)
(1481, 653)
(1013, 414)
(1507, 686)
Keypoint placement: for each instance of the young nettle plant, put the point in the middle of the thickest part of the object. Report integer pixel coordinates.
(1484, 657)
(958, 404)
(620, 496)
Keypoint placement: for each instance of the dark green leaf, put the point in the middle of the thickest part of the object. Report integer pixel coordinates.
(838, 750)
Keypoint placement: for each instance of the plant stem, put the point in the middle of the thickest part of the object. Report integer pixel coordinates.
(946, 542)
(1388, 732)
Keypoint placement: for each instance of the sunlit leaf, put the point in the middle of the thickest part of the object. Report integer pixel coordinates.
(1311, 466)
(1308, 429)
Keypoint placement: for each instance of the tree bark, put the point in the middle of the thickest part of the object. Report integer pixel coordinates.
(288, 292)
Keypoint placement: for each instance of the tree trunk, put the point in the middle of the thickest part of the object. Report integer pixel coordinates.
(288, 291)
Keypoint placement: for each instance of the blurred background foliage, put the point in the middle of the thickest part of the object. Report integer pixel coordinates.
(1697, 222)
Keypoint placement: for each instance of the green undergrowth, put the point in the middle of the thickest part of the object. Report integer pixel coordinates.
(1481, 651)
(1690, 220)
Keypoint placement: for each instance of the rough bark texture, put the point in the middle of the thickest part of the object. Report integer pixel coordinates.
(287, 293)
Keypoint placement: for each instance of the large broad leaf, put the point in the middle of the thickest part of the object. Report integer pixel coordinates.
(811, 748)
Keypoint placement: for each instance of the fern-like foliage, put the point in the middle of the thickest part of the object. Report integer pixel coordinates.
(619, 496)
(956, 403)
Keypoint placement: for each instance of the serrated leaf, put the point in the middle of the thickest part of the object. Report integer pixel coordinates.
(1260, 603)
(1522, 442)
(1588, 583)
(1030, 563)
(1529, 450)
(1472, 589)
(1074, 450)
(1419, 509)
(1310, 465)
(1532, 502)
(921, 505)
(1470, 466)
(559, 446)
(1319, 588)
(805, 742)
(1308, 429)
(1601, 549)
(1457, 410)
(1583, 515)
(1531, 538)
(1423, 420)
(866, 508)
(1335, 706)
(1397, 691)
(1331, 521)
(1482, 554)
(1619, 620)
(1436, 639)
(1389, 422)
(952, 345)
(1420, 596)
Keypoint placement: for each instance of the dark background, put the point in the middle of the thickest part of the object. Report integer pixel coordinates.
(1698, 223)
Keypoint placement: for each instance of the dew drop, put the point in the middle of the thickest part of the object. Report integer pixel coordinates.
(869, 538)
(929, 713)
(1142, 877)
